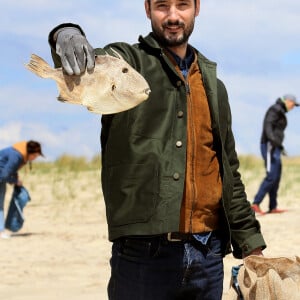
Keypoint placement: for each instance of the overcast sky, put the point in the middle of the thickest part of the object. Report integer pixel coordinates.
(256, 45)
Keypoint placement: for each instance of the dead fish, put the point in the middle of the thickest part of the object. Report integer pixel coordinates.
(114, 86)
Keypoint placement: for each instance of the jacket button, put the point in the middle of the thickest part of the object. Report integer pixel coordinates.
(180, 114)
(176, 176)
(178, 83)
(179, 144)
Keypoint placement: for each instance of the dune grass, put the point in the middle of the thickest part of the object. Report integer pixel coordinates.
(67, 162)
(66, 179)
(62, 178)
(253, 171)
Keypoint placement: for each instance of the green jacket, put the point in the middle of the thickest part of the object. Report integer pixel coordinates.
(143, 171)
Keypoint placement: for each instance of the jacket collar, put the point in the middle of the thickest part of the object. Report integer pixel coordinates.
(150, 42)
(207, 67)
(21, 147)
(282, 104)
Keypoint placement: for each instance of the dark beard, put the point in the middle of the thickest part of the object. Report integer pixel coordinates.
(169, 41)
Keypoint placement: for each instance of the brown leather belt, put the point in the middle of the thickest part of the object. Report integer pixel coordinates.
(179, 237)
(169, 237)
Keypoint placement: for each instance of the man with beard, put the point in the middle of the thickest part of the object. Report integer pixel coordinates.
(175, 202)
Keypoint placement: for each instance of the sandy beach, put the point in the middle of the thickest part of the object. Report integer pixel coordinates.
(62, 251)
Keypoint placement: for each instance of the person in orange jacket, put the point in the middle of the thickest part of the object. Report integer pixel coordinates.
(11, 160)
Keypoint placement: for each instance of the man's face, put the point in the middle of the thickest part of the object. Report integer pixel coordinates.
(32, 156)
(289, 104)
(172, 20)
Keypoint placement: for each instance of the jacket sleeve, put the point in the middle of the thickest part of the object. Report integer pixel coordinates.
(244, 228)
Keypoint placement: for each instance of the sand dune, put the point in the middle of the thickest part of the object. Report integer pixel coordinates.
(62, 251)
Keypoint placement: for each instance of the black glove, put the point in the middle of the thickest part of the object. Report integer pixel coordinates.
(74, 50)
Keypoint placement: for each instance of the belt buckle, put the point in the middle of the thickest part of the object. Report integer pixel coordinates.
(169, 238)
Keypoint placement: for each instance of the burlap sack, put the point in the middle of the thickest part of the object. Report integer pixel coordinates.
(262, 278)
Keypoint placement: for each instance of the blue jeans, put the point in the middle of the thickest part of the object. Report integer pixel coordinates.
(270, 184)
(2, 197)
(152, 268)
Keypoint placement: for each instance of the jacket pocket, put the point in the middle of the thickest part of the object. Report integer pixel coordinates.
(131, 193)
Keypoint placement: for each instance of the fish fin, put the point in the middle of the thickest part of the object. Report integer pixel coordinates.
(116, 53)
(100, 58)
(39, 67)
(60, 98)
(64, 98)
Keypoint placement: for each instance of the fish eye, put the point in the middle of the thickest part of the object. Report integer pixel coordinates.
(125, 70)
(113, 87)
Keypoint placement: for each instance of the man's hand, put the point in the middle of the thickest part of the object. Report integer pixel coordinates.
(74, 50)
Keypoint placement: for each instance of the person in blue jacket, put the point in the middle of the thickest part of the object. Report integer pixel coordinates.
(11, 160)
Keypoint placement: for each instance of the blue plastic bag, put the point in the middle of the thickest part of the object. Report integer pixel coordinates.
(235, 284)
(15, 218)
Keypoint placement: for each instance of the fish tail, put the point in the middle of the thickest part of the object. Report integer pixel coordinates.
(39, 67)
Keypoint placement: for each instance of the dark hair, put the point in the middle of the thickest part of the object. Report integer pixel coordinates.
(34, 147)
(150, 1)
